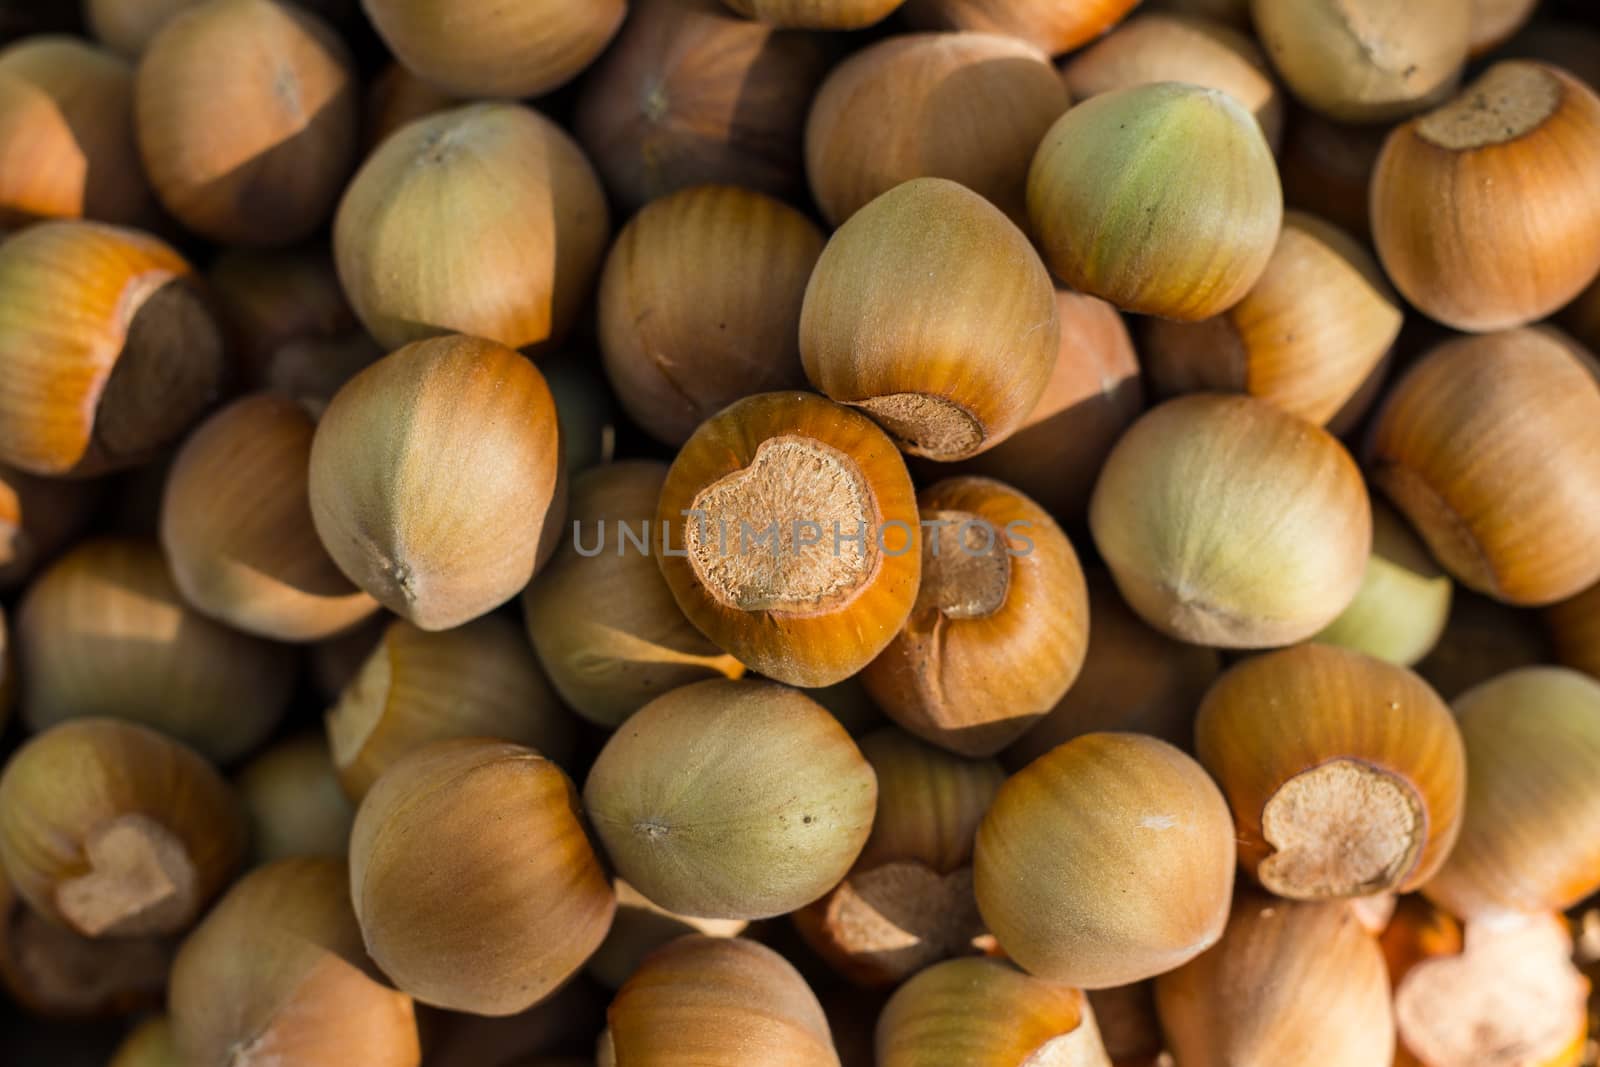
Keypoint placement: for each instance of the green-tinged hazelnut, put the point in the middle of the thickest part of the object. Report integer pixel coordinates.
(1163, 199)
(1404, 602)
(730, 799)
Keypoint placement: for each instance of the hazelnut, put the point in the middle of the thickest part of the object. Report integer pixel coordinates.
(1047, 24)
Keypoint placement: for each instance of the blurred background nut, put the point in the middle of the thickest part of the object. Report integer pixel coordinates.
(1049, 25)
(293, 799)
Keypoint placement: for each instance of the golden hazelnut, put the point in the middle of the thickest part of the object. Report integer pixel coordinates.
(1509, 997)
(1158, 892)
(247, 116)
(816, 14)
(716, 1002)
(787, 531)
(678, 354)
(908, 903)
(1327, 166)
(640, 928)
(105, 632)
(1346, 774)
(1180, 48)
(970, 107)
(276, 973)
(128, 26)
(38, 517)
(150, 1044)
(1532, 738)
(67, 147)
(1575, 625)
(56, 973)
(113, 830)
(1305, 338)
(388, 495)
(237, 530)
(485, 220)
(1460, 229)
(1482, 639)
(693, 94)
(107, 349)
(1228, 522)
(931, 312)
(1000, 625)
(1050, 25)
(1288, 983)
(731, 800)
(396, 98)
(479, 680)
(601, 617)
(1091, 397)
(1507, 502)
(1114, 167)
(295, 804)
(479, 48)
(1404, 603)
(1366, 60)
(1134, 679)
(986, 1013)
(473, 879)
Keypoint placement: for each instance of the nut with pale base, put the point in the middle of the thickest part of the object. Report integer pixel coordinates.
(676, 354)
(1048, 24)
(1134, 679)
(107, 350)
(473, 878)
(1228, 522)
(57, 973)
(931, 312)
(1093, 394)
(986, 1013)
(482, 48)
(1510, 997)
(115, 831)
(1485, 446)
(1192, 48)
(484, 220)
(276, 974)
(247, 114)
(105, 631)
(1001, 622)
(691, 94)
(1484, 211)
(436, 480)
(732, 800)
(416, 687)
(1362, 61)
(236, 526)
(1404, 603)
(1305, 338)
(605, 625)
(67, 147)
(970, 107)
(908, 902)
(1532, 739)
(716, 1002)
(1346, 774)
(1157, 891)
(788, 535)
(1115, 170)
(1288, 983)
